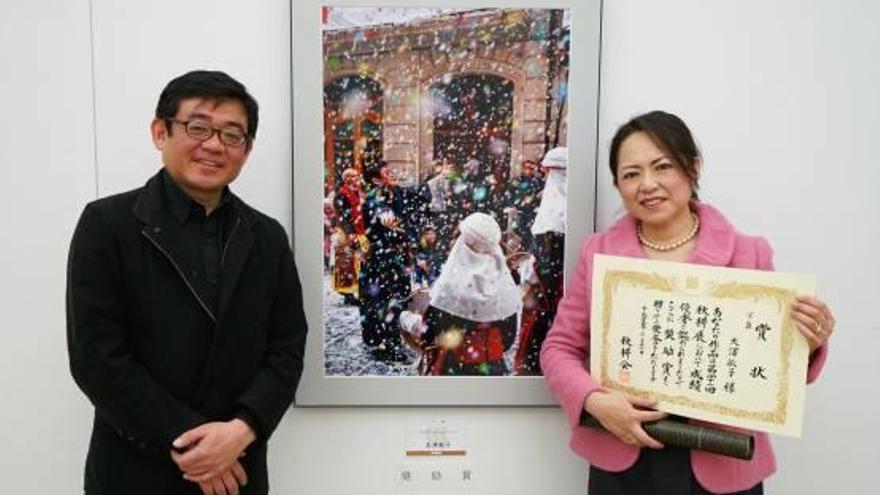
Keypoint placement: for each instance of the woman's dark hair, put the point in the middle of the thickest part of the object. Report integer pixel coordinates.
(206, 84)
(670, 134)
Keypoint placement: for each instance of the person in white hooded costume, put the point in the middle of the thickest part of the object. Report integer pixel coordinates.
(546, 284)
(471, 320)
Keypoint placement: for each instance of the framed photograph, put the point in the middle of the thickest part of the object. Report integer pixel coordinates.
(444, 175)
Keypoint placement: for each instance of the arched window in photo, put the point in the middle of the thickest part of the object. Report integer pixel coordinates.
(353, 107)
(473, 115)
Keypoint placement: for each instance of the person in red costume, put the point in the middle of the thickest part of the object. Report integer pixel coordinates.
(349, 237)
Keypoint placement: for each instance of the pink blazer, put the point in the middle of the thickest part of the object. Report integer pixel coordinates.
(567, 348)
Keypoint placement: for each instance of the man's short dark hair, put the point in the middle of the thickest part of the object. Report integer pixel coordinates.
(209, 84)
(373, 171)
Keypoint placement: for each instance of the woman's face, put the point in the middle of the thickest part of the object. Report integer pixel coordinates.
(653, 187)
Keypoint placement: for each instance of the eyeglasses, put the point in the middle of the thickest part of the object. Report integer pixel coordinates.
(201, 130)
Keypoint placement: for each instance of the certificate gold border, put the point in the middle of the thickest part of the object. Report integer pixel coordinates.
(728, 290)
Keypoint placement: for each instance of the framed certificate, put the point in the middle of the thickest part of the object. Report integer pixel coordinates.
(717, 344)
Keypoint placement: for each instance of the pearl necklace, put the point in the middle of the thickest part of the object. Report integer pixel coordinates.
(673, 245)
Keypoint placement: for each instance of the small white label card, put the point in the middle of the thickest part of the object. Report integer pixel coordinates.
(432, 436)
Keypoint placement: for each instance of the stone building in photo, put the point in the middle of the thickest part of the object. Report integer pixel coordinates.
(487, 85)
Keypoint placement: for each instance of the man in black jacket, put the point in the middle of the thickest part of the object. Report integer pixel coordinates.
(185, 324)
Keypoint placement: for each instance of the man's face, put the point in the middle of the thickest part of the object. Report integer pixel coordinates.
(202, 168)
(388, 177)
(528, 169)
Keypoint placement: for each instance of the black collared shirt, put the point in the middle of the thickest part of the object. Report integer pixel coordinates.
(205, 237)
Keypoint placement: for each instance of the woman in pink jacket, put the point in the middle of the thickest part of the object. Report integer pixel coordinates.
(656, 167)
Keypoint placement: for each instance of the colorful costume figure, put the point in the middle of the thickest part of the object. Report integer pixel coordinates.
(546, 287)
(525, 195)
(348, 236)
(471, 320)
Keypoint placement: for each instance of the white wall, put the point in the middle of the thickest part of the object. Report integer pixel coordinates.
(781, 96)
(47, 158)
(140, 46)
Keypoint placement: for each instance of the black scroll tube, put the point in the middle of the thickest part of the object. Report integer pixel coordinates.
(673, 432)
